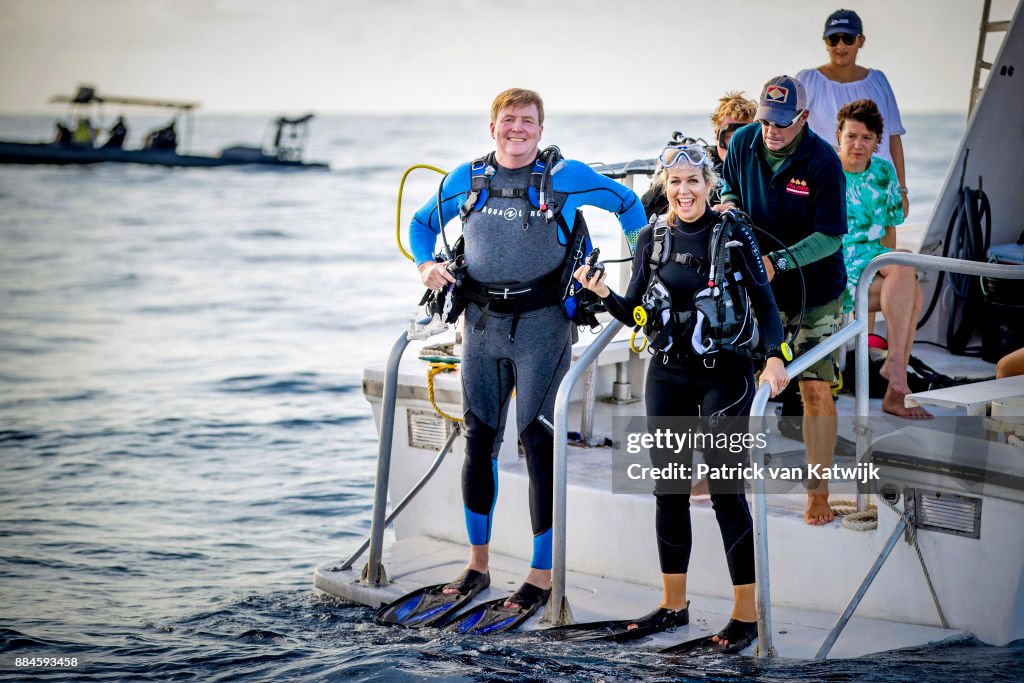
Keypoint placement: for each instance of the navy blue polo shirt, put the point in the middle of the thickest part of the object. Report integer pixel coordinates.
(806, 195)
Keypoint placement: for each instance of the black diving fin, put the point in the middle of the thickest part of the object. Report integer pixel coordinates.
(739, 634)
(619, 630)
(430, 605)
(494, 617)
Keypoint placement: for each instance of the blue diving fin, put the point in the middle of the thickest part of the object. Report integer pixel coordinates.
(494, 617)
(430, 605)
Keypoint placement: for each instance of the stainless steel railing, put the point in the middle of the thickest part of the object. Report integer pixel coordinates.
(923, 262)
(558, 611)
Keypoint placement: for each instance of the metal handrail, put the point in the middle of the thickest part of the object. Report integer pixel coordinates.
(862, 429)
(759, 509)
(923, 262)
(438, 459)
(557, 612)
(373, 572)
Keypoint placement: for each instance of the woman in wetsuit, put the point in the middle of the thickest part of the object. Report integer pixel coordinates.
(682, 383)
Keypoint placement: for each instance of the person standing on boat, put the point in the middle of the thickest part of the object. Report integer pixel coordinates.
(791, 183)
(522, 344)
(873, 211)
(84, 136)
(117, 135)
(63, 135)
(733, 112)
(682, 383)
(842, 80)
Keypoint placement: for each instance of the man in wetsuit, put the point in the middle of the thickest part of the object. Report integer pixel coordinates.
(510, 242)
(791, 183)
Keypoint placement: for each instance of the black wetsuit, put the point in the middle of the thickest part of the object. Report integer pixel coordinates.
(509, 242)
(682, 385)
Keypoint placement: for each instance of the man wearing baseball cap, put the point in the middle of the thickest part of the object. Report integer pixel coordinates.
(791, 183)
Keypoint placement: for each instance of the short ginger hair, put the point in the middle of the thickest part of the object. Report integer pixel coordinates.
(516, 98)
(733, 104)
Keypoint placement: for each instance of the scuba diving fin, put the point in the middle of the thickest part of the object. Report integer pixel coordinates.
(739, 635)
(494, 617)
(619, 631)
(430, 605)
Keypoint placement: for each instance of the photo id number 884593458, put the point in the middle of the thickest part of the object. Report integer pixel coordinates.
(45, 662)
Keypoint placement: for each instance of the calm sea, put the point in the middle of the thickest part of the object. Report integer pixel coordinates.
(182, 431)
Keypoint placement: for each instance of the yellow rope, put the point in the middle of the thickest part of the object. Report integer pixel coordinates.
(398, 216)
(436, 368)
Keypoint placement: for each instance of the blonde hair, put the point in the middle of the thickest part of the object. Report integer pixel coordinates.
(707, 171)
(516, 98)
(733, 104)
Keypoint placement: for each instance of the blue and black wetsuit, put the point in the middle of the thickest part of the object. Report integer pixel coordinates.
(509, 242)
(682, 385)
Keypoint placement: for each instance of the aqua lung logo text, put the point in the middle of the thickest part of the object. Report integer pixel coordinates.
(509, 214)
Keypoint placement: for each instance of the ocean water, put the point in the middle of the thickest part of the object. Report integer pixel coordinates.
(182, 432)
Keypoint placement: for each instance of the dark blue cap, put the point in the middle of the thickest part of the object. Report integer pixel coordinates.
(843, 21)
(782, 98)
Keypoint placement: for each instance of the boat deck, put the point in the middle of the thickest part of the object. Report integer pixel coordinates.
(611, 553)
(421, 561)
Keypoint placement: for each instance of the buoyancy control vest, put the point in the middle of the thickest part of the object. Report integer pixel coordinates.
(556, 286)
(722, 318)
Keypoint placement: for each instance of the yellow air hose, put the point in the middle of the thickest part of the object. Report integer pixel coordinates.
(398, 208)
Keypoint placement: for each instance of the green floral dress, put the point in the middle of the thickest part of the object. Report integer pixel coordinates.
(873, 201)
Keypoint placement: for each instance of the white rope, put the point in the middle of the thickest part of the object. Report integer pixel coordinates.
(853, 520)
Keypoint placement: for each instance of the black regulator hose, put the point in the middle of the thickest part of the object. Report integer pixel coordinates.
(968, 235)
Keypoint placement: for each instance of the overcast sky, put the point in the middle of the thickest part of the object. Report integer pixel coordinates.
(455, 55)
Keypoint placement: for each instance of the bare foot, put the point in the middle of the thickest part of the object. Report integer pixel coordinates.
(897, 380)
(541, 578)
(818, 511)
(893, 404)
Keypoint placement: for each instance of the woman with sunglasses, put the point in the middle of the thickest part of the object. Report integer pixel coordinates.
(842, 81)
(682, 383)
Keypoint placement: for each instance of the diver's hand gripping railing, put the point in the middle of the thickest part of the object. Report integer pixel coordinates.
(558, 612)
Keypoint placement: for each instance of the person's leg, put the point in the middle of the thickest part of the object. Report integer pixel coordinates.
(727, 406)
(819, 424)
(1011, 365)
(539, 448)
(667, 396)
(820, 427)
(487, 382)
(479, 489)
(542, 352)
(897, 294)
